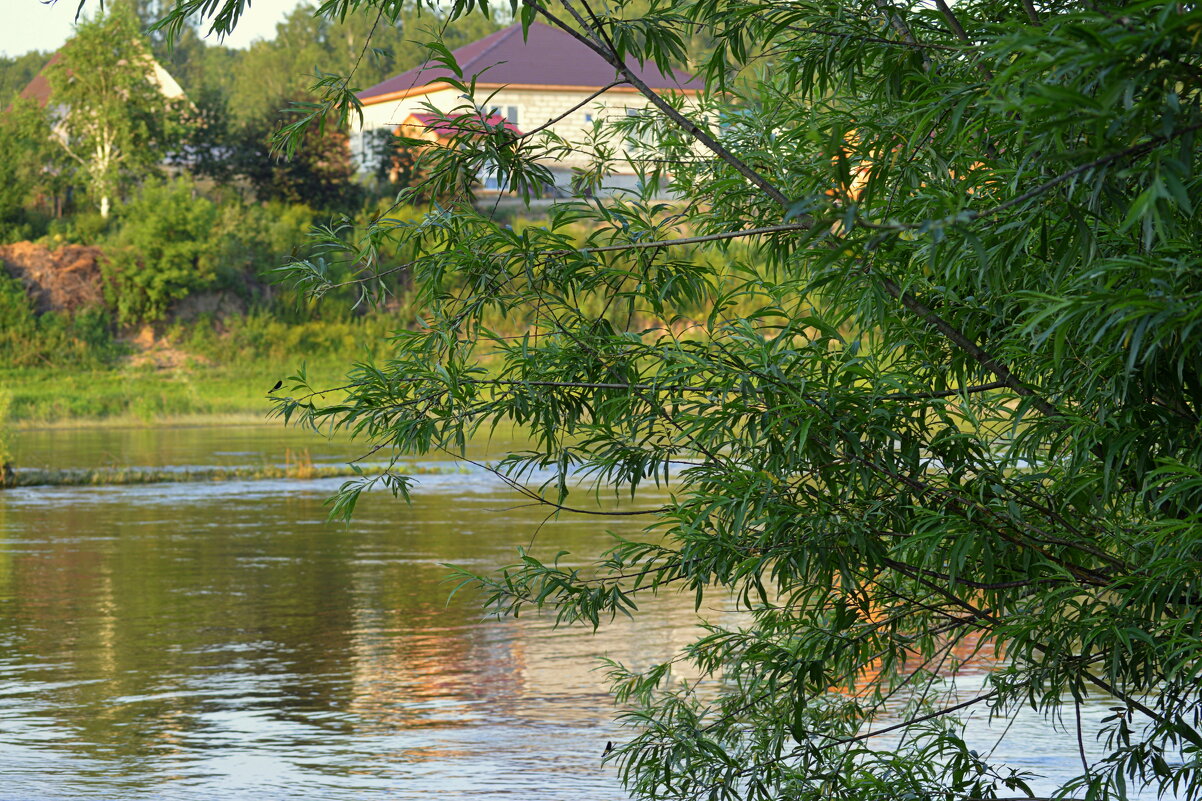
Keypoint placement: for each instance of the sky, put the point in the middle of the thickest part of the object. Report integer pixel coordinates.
(34, 25)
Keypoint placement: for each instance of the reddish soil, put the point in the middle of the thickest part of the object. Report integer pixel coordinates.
(65, 279)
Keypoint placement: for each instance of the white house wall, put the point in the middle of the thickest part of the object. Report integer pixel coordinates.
(534, 108)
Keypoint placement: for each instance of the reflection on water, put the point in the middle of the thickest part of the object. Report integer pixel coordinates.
(224, 641)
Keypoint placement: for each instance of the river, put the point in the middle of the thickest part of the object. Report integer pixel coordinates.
(223, 641)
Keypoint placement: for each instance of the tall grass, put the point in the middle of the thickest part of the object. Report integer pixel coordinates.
(139, 396)
(5, 447)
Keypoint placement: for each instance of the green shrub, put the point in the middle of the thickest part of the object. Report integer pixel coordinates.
(86, 228)
(54, 338)
(261, 335)
(254, 238)
(163, 251)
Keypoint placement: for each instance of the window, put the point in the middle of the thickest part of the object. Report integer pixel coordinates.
(511, 113)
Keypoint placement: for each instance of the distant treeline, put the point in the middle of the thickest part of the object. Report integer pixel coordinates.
(17, 71)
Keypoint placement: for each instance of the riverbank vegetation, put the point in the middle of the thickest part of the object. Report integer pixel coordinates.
(138, 288)
(298, 466)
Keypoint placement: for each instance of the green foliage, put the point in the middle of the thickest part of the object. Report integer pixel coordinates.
(29, 165)
(256, 237)
(945, 397)
(51, 339)
(16, 72)
(162, 252)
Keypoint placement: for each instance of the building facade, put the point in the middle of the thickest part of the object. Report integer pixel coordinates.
(529, 81)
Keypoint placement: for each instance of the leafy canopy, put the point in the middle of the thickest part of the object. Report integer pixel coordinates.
(163, 252)
(912, 351)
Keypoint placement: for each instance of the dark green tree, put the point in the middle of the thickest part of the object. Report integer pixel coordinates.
(320, 174)
(32, 168)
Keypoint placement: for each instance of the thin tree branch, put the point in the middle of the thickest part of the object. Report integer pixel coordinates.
(1080, 736)
(1134, 151)
(946, 393)
(668, 110)
(534, 496)
(873, 39)
(634, 387)
(576, 107)
(1131, 152)
(767, 230)
(976, 585)
(958, 29)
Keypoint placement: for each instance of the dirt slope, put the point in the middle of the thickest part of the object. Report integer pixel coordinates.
(65, 279)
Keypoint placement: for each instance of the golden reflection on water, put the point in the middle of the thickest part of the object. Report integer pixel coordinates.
(226, 639)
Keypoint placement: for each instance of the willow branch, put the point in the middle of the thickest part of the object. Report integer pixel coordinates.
(953, 22)
(666, 108)
(576, 107)
(925, 313)
(767, 230)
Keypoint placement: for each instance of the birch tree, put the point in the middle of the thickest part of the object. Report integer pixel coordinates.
(113, 119)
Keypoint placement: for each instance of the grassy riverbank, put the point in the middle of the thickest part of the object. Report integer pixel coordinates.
(57, 397)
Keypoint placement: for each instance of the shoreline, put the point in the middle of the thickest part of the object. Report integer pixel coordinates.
(186, 420)
(302, 470)
(62, 399)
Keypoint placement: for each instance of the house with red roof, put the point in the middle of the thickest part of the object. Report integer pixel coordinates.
(527, 81)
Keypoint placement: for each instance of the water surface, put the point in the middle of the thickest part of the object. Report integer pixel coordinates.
(223, 641)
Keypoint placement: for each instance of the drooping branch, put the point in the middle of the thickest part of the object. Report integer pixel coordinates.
(664, 106)
(574, 108)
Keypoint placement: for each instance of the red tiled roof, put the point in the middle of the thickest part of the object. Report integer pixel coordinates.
(39, 88)
(436, 124)
(548, 57)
